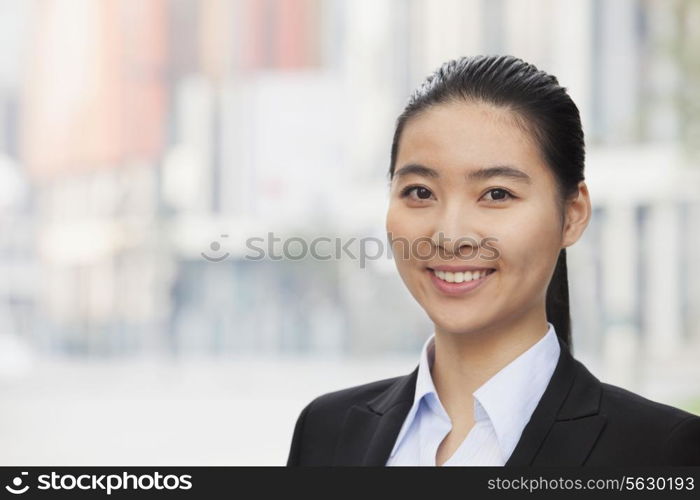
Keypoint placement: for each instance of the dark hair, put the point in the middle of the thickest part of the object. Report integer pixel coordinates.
(542, 107)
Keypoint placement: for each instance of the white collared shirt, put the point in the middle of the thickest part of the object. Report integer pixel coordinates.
(503, 406)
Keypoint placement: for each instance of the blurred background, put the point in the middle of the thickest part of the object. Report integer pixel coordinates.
(142, 142)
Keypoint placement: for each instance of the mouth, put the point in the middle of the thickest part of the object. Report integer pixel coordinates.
(458, 282)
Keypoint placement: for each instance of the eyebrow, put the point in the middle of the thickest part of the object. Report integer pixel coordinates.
(476, 175)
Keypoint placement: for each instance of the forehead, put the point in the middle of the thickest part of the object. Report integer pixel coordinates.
(458, 135)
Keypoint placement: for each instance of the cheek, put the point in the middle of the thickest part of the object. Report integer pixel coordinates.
(393, 219)
(402, 229)
(529, 246)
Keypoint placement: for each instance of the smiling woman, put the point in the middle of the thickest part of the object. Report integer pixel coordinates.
(489, 154)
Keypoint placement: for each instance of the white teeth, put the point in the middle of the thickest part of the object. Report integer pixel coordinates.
(460, 277)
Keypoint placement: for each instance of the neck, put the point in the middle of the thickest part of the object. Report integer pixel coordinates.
(464, 361)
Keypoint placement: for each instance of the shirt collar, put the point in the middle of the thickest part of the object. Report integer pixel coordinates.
(524, 379)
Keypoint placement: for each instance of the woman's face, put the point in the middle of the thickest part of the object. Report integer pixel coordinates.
(446, 187)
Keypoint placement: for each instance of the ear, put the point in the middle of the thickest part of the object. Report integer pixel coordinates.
(577, 216)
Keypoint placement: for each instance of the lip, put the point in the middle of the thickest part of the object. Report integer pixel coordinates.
(458, 269)
(456, 288)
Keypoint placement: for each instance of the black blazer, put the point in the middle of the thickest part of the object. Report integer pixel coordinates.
(578, 421)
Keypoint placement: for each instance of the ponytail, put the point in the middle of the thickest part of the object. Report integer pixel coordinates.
(557, 305)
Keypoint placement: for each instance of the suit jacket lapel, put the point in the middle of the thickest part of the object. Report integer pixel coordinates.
(562, 430)
(566, 422)
(370, 429)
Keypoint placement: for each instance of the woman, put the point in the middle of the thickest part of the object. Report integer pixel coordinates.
(487, 191)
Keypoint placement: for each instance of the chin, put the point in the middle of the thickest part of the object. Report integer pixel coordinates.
(456, 325)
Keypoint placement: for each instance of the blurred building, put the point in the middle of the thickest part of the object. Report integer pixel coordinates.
(153, 132)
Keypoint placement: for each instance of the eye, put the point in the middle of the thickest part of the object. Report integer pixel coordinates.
(500, 195)
(422, 193)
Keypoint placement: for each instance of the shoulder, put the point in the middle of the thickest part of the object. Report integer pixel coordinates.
(337, 402)
(319, 423)
(617, 400)
(667, 434)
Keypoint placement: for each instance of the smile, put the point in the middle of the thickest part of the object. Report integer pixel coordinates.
(456, 283)
(460, 277)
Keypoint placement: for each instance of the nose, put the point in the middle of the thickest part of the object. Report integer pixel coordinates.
(456, 234)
